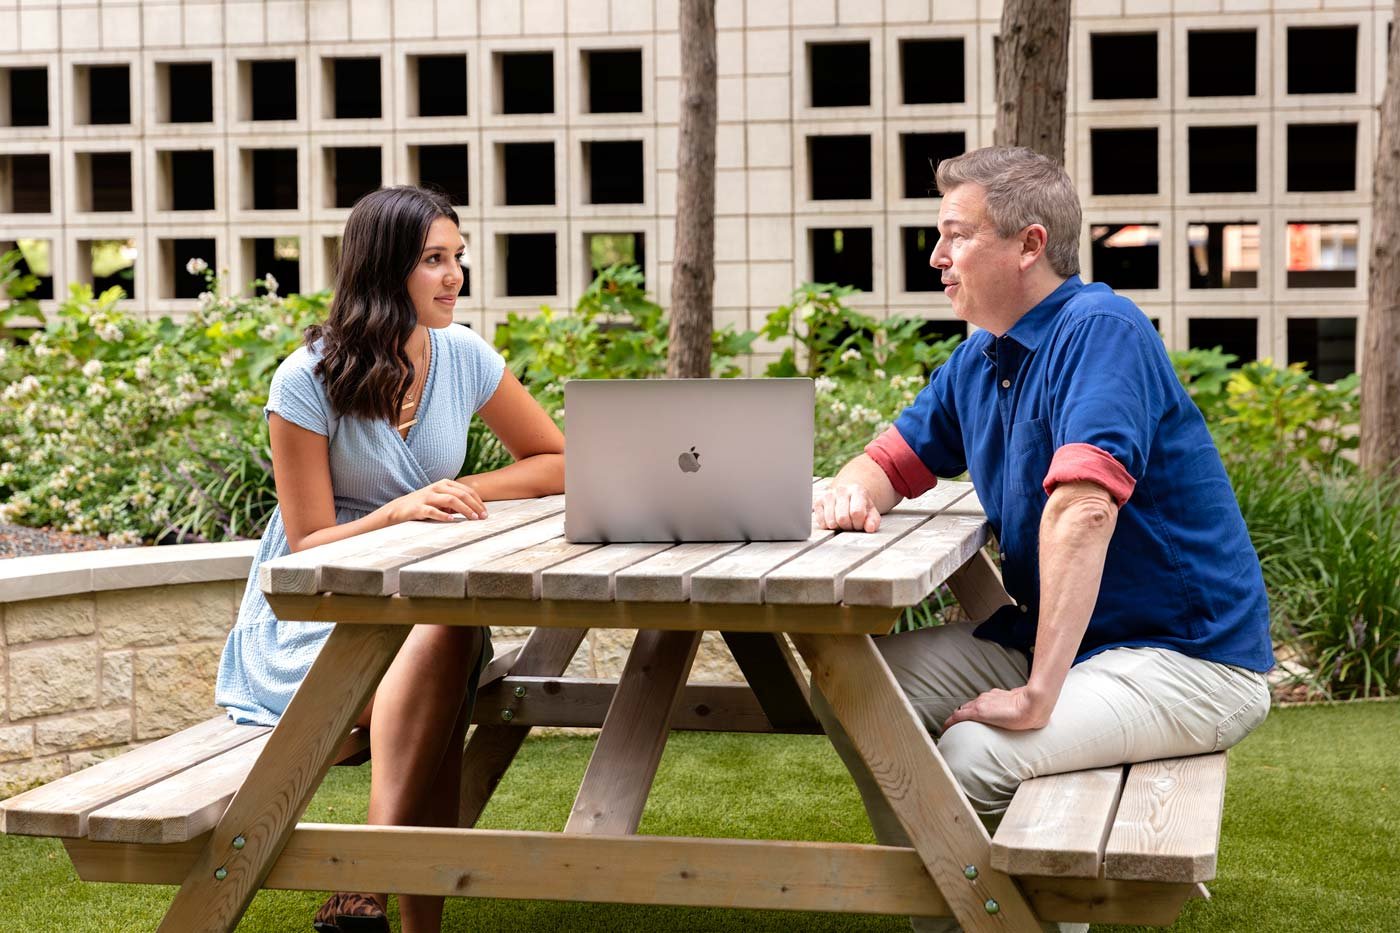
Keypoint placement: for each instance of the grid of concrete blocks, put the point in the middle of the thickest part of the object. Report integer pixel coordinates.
(1222, 148)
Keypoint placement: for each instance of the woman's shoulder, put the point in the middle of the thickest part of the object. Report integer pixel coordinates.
(298, 371)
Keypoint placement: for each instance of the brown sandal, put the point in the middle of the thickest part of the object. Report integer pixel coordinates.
(350, 913)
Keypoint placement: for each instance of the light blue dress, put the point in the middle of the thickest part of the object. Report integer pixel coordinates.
(264, 659)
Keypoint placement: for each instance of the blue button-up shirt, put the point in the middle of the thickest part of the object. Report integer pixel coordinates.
(1082, 388)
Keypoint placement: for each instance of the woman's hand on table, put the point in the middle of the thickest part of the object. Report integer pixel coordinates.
(846, 507)
(443, 501)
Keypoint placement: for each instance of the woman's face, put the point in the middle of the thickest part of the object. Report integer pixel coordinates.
(437, 278)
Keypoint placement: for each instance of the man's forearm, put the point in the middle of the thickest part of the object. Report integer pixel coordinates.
(866, 473)
(1075, 529)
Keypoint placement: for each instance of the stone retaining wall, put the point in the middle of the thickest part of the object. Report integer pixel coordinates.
(104, 650)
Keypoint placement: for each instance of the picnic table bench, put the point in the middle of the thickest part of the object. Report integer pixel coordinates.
(215, 808)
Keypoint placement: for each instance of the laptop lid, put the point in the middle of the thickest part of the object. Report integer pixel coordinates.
(688, 459)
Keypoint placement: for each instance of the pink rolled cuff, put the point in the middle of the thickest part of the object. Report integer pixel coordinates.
(906, 471)
(1085, 462)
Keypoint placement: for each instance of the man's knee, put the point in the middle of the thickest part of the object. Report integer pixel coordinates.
(977, 756)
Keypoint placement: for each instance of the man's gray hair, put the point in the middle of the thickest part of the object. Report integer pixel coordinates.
(1023, 187)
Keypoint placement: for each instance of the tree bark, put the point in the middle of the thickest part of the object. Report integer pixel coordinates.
(1032, 54)
(693, 273)
(1380, 357)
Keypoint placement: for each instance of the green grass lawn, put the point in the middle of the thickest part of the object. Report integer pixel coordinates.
(1311, 839)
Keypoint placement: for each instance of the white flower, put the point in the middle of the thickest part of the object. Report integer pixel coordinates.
(142, 369)
(879, 373)
(3, 355)
(98, 390)
(196, 266)
(270, 283)
(43, 350)
(122, 538)
(92, 369)
(850, 354)
(108, 331)
(825, 384)
(266, 332)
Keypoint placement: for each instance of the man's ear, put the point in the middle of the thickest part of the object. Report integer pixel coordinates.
(1034, 239)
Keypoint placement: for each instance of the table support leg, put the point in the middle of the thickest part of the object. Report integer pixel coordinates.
(245, 844)
(916, 782)
(977, 587)
(492, 748)
(773, 674)
(619, 775)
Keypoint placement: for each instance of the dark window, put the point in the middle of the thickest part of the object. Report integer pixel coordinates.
(357, 172)
(919, 276)
(191, 92)
(35, 258)
(614, 81)
(184, 283)
(1236, 335)
(1322, 59)
(191, 180)
(111, 180)
(1126, 255)
(1221, 63)
(1321, 253)
(112, 263)
(1124, 160)
(931, 71)
(1124, 65)
(921, 153)
(935, 331)
(528, 170)
(274, 85)
(29, 97)
(615, 173)
(442, 86)
(844, 256)
(1326, 345)
(1222, 158)
(355, 82)
(607, 249)
(29, 184)
(840, 73)
(445, 168)
(840, 167)
(279, 257)
(531, 264)
(1322, 157)
(527, 83)
(274, 179)
(109, 94)
(1222, 254)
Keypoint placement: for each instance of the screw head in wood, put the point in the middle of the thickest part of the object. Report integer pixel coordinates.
(239, 842)
(992, 906)
(220, 873)
(520, 692)
(507, 715)
(970, 873)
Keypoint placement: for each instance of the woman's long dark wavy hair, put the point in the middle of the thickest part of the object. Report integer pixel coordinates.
(363, 364)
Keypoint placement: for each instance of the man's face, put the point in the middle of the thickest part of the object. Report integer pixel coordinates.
(980, 270)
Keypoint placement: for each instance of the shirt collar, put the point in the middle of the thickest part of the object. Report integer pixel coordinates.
(1035, 323)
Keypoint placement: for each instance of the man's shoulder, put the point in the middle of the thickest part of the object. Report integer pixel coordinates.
(1097, 304)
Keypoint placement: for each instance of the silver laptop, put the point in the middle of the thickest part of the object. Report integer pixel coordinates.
(688, 459)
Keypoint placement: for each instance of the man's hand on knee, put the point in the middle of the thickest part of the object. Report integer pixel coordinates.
(1020, 709)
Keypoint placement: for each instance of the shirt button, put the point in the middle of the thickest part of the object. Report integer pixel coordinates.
(1006, 383)
(1025, 608)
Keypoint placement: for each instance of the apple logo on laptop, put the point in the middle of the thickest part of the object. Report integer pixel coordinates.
(689, 461)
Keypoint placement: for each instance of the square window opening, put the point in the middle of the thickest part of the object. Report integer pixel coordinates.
(272, 89)
(270, 179)
(526, 171)
(611, 249)
(919, 275)
(843, 256)
(354, 171)
(1322, 253)
(188, 184)
(107, 89)
(1222, 159)
(839, 74)
(442, 85)
(104, 181)
(1322, 59)
(108, 264)
(920, 154)
(615, 171)
(25, 184)
(1322, 157)
(1235, 335)
(355, 90)
(1325, 345)
(525, 82)
(189, 92)
(931, 71)
(26, 97)
(179, 282)
(444, 168)
(1126, 256)
(840, 167)
(1221, 63)
(279, 257)
(1222, 254)
(1123, 65)
(1124, 161)
(529, 264)
(614, 80)
(36, 259)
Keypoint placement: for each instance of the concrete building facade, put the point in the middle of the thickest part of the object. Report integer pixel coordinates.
(1222, 148)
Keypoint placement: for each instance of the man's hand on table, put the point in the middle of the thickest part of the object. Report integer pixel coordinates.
(1020, 709)
(846, 507)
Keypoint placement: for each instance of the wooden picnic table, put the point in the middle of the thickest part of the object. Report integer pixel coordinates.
(825, 596)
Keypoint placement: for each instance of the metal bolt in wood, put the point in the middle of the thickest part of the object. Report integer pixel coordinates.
(239, 842)
(220, 873)
(520, 692)
(507, 715)
(970, 873)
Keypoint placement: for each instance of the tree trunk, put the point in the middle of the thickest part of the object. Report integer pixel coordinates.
(1380, 356)
(693, 274)
(1032, 55)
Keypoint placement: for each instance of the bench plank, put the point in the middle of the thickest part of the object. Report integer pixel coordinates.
(181, 807)
(61, 807)
(1057, 825)
(1168, 822)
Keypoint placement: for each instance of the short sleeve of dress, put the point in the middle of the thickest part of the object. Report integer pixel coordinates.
(480, 363)
(298, 396)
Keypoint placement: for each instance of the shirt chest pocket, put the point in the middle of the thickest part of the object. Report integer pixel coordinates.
(1028, 457)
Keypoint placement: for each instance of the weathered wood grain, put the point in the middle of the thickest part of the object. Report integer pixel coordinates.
(819, 575)
(445, 576)
(591, 575)
(583, 703)
(911, 568)
(739, 576)
(1058, 825)
(1168, 822)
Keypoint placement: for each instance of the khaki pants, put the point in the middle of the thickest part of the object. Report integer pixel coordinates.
(1121, 706)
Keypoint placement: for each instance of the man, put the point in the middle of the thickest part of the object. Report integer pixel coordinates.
(1140, 626)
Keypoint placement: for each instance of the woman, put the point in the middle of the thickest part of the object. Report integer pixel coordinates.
(368, 423)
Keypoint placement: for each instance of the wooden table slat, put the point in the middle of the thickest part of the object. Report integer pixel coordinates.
(591, 575)
(818, 575)
(445, 575)
(739, 577)
(665, 578)
(516, 575)
(375, 572)
(906, 572)
(299, 573)
(936, 501)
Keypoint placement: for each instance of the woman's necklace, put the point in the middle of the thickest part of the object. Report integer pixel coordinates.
(414, 391)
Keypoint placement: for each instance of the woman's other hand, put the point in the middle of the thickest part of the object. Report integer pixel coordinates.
(443, 501)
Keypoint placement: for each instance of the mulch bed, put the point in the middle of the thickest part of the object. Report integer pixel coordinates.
(19, 541)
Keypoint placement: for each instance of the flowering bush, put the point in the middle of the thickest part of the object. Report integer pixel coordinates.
(145, 429)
